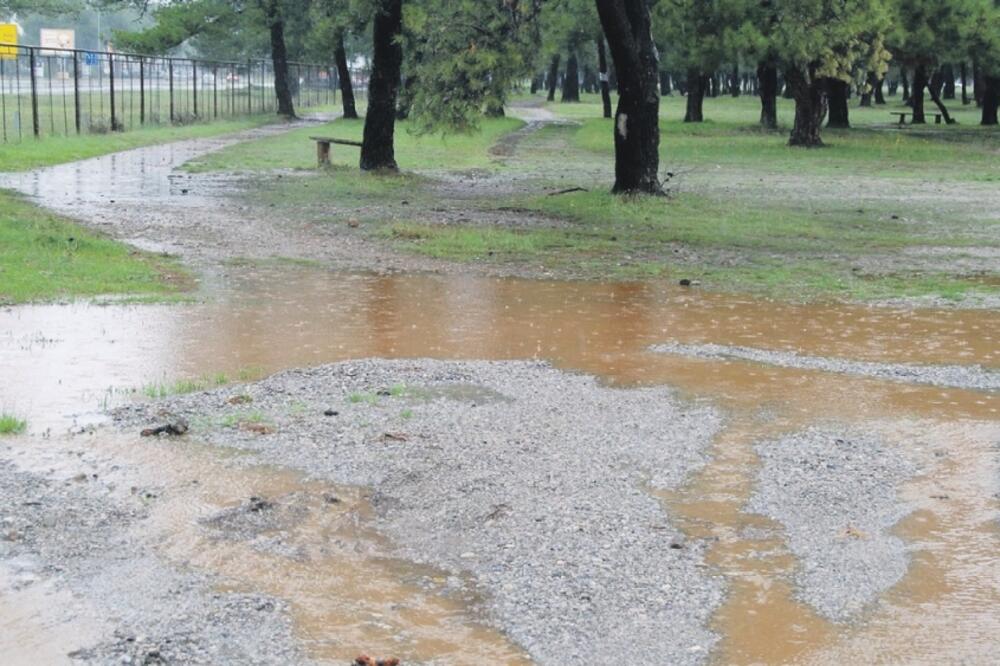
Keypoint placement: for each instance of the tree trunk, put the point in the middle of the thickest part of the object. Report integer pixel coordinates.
(637, 120)
(571, 81)
(879, 97)
(767, 77)
(964, 73)
(553, 76)
(535, 84)
(948, 74)
(279, 59)
(810, 107)
(664, 84)
(917, 94)
(344, 75)
(905, 81)
(602, 63)
(734, 82)
(377, 147)
(695, 96)
(866, 91)
(991, 99)
(837, 92)
(978, 84)
(935, 92)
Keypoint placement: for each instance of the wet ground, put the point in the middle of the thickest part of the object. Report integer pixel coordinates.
(838, 513)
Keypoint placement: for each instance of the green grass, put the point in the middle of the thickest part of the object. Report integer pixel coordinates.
(163, 389)
(294, 150)
(46, 257)
(34, 153)
(730, 137)
(11, 425)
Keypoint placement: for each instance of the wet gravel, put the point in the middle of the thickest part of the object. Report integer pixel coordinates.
(972, 377)
(78, 537)
(533, 480)
(835, 493)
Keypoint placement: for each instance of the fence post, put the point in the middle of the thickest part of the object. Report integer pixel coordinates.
(194, 84)
(111, 76)
(142, 90)
(76, 90)
(34, 93)
(250, 87)
(170, 85)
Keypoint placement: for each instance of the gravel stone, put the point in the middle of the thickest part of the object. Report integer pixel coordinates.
(973, 377)
(835, 494)
(533, 480)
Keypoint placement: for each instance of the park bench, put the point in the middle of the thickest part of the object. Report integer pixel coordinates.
(323, 147)
(902, 116)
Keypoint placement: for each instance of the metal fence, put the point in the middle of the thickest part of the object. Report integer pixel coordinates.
(59, 92)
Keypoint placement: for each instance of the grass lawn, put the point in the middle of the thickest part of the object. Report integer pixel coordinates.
(294, 150)
(806, 233)
(45, 257)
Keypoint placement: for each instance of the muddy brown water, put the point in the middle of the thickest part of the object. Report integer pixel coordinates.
(72, 361)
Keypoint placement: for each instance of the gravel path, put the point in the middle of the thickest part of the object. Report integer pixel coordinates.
(78, 536)
(531, 479)
(973, 377)
(836, 495)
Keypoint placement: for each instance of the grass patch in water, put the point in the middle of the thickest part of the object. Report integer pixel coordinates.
(11, 425)
(156, 390)
(46, 257)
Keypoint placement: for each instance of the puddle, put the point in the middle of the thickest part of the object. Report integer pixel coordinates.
(72, 361)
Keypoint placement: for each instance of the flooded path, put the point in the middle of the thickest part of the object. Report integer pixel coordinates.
(68, 364)
(75, 361)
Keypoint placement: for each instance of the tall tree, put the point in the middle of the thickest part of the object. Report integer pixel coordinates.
(378, 146)
(279, 56)
(637, 120)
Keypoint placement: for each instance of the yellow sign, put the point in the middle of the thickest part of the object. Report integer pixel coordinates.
(8, 35)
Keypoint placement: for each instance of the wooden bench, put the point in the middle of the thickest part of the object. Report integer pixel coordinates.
(902, 116)
(323, 147)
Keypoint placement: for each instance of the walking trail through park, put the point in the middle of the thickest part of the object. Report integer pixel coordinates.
(454, 464)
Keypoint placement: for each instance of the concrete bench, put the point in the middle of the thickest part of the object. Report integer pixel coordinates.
(323, 147)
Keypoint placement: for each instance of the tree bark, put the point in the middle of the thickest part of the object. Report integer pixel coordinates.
(535, 84)
(948, 74)
(839, 114)
(602, 63)
(553, 77)
(879, 96)
(627, 26)
(571, 80)
(279, 59)
(964, 73)
(767, 78)
(664, 83)
(991, 100)
(344, 76)
(810, 107)
(978, 84)
(905, 81)
(917, 94)
(695, 96)
(935, 92)
(377, 147)
(734, 82)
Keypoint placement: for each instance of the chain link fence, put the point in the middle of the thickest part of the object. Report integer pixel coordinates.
(48, 92)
